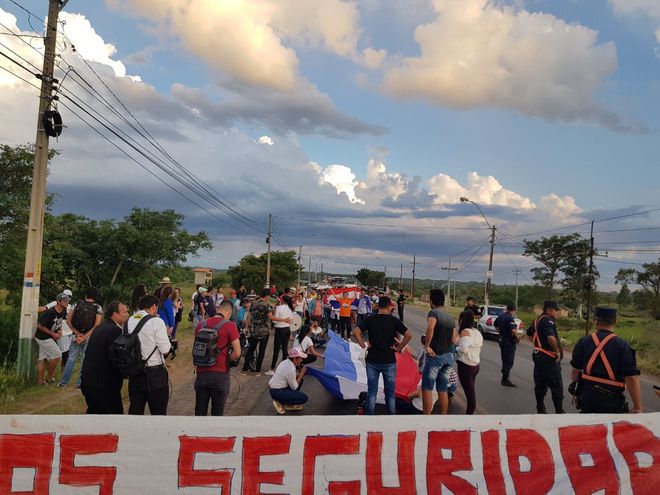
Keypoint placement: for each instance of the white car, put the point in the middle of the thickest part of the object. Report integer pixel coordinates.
(489, 314)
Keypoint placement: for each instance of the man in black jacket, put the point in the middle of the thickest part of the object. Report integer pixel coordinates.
(101, 381)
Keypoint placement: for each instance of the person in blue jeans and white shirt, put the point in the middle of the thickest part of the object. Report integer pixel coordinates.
(440, 336)
(383, 329)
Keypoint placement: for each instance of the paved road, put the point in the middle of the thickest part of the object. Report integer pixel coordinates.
(492, 398)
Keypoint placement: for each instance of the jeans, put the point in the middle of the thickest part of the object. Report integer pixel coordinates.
(280, 344)
(436, 372)
(75, 350)
(288, 397)
(389, 374)
(211, 386)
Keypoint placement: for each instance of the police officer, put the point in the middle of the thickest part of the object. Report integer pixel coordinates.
(604, 366)
(508, 330)
(547, 358)
(471, 305)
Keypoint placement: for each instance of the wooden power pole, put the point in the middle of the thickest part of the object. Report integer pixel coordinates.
(269, 241)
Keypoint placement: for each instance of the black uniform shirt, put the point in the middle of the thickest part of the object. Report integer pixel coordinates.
(475, 310)
(546, 328)
(97, 368)
(505, 324)
(618, 352)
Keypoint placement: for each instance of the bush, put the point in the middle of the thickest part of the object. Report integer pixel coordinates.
(9, 322)
(11, 383)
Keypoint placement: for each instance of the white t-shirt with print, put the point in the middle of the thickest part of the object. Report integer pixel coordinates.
(304, 345)
(283, 311)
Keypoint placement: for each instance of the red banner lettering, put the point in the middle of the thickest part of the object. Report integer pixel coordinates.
(529, 445)
(329, 445)
(26, 451)
(253, 450)
(490, 448)
(448, 452)
(587, 458)
(405, 461)
(189, 476)
(70, 474)
(631, 440)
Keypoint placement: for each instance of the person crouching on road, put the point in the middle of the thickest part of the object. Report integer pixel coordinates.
(285, 384)
(152, 385)
(101, 380)
(212, 382)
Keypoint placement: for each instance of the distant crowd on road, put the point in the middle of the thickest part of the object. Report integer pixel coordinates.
(133, 342)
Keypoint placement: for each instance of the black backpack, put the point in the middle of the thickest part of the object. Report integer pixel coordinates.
(84, 316)
(205, 346)
(127, 352)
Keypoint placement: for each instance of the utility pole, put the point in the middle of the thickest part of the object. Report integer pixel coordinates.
(321, 278)
(35, 237)
(489, 274)
(299, 268)
(517, 271)
(309, 270)
(401, 278)
(449, 270)
(385, 278)
(269, 242)
(590, 276)
(412, 289)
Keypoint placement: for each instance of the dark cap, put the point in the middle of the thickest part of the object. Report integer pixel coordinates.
(511, 307)
(550, 305)
(469, 298)
(265, 292)
(607, 314)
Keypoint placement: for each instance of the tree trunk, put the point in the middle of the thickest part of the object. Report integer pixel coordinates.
(117, 270)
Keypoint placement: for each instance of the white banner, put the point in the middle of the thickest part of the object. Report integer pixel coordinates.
(377, 455)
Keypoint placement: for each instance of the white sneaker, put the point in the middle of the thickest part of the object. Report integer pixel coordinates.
(294, 407)
(269, 373)
(278, 407)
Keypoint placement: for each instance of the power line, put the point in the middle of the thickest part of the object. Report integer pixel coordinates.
(407, 227)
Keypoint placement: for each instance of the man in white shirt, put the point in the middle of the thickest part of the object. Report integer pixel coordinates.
(285, 384)
(152, 386)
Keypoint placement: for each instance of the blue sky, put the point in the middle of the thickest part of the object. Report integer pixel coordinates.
(544, 112)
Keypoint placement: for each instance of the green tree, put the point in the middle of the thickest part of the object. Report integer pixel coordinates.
(624, 297)
(251, 270)
(371, 278)
(576, 282)
(16, 164)
(648, 278)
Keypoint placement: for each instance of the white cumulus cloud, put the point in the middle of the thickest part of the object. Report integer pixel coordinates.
(267, 140)
(640, 8)
(341, 178)
(478, 53)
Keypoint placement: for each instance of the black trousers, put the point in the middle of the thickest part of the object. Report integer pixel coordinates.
(467, 375)
(102, 400)
(280, 344)
(150, 387)
(547, 375)
(214, 387)
(308, 360)
(597, 399)
(255, 344)
(508, 353)
(345, 326)
(400, 310)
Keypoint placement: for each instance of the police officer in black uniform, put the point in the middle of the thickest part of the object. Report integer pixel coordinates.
(547, 358)
(508, 330)
(472, 306)
(604, 365)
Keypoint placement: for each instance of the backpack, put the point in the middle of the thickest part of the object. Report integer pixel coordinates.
(205, 346)
(127, 352)
(84, 316)
(209, 305)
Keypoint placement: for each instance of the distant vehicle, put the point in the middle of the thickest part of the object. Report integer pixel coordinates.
(489, 314)
(339, 281)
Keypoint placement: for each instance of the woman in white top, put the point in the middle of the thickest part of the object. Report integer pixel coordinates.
(468, 349)
(285, 385)
(299, 305)
(303, 341)
(282, 318)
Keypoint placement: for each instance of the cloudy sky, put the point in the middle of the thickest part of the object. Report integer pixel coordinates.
(357, 124)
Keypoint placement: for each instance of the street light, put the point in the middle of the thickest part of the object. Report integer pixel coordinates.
(489, 274)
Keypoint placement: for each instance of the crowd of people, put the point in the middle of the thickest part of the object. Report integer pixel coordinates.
(134, 341)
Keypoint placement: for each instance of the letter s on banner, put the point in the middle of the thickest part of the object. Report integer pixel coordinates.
(328, 445)
(70, 474)
(532, 446)
(588, 460)
(189, 476)
(26, 451)
(631, 440)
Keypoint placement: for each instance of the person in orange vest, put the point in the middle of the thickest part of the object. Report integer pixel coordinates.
(604, 365)
(547, 358)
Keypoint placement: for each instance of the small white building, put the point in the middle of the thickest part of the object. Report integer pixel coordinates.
(203, 276)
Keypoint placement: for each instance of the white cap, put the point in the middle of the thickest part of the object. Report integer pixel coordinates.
(67, 292)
